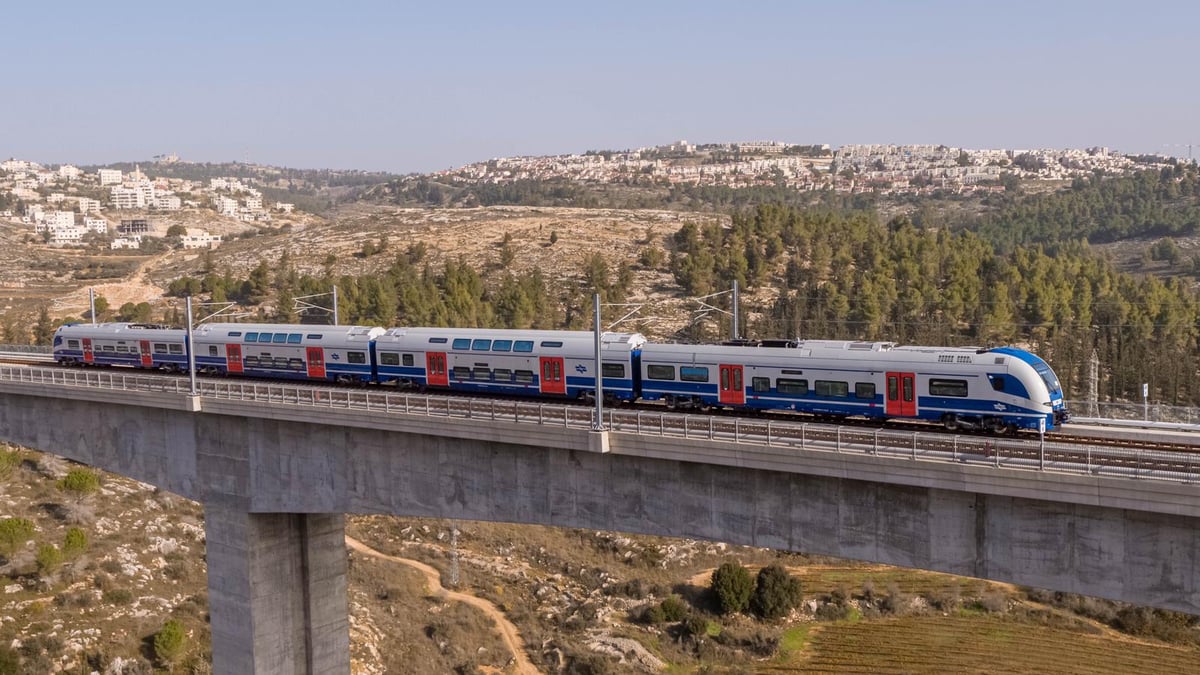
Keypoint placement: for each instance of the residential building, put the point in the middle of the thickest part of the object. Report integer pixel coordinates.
(98, 225)
(127, 198)
(200, 239)
(88, 205)
(167, 203)
(68, 172)
(109, 176)
(125, 242)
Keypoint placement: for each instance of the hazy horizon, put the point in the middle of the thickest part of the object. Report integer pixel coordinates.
(412, 88)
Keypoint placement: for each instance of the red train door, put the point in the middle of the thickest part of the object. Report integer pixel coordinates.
(147, 358)
(233, 358)
(901, 395)
(553, 381)
(316, 362)
(88, 355)
(435, 370)
(732, 390)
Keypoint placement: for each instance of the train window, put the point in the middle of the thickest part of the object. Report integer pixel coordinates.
(389, 359)
(251, 337)
(693, 374)
(108, 348)
(523, 346)
(294, 338)
(481, 374)
(525, 376)
(893, 390)
(408, 359)
(264, 337)
(461, 343)
(997, 382)
(176, 349)
(481, 345)
(831, 388)
(356, 357)
(502, 345)
(551, 343)
(437, 341)
(502, 375)
(787, 386)
(212, 350)
(760, 384)
(948, 388)
(460, 374)
(908, 387)
(296, 364)
(251, 361)
(660, 372)
(160, 348)
(72, 344)
(864, 390)
(279, 338)
(122, 348)
(234, 333)
(613, 369)
(313, 336)
(281, 362)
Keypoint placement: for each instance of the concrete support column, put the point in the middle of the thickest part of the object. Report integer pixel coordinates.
(277, 592)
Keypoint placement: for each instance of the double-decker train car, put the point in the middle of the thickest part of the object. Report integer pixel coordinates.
(121, 344)
(1001, 389)
(294, 351)
(519, 362)
(993, 389)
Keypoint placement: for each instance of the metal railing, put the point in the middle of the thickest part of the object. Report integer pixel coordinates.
(25, 349)
(1009, 453)
(1152, 412)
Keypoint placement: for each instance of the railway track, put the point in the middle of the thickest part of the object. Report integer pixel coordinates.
(763, 425)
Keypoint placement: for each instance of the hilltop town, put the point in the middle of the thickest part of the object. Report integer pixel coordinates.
(887, 169)
(68, 206)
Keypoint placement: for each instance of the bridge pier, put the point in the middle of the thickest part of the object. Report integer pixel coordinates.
(277, 591)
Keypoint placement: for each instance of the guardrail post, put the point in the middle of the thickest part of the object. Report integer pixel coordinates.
(710, 428)
(685, 427)
(838, 447)
(639, 421)
(769, 440)
(954, 449)
(737, 431)
(803, 430)
(875, 443)
(914, 447)
(996, 449)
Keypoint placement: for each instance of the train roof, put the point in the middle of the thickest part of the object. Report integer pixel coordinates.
(121, 330)
(406, 334)
(882, 352)
(349, 332)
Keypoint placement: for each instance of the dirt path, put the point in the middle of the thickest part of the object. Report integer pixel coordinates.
(134, 288)
(433, 578)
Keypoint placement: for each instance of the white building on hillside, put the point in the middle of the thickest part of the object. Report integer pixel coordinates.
(68, 172)
(125, 242)
(88, 205)
(167, 203)
(200, 239)
(98, 225)
(227, 206)
(127, 198)
(109, 176)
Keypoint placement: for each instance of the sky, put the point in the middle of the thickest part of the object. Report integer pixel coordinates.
(418, 87)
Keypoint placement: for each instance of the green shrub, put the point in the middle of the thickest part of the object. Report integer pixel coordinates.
(674, 608)
(75, 543)
(653, 614)
(48, 558)
(696, 626)
(118, 596)
(9, 461)
(734, 586)
(10, 661)
(776, 593)
(80, 483)
(170, 642)
(14, 532)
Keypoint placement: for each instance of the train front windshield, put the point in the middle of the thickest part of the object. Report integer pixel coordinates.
(1048, 377)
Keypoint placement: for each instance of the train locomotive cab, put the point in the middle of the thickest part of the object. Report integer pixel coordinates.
(1042, 390)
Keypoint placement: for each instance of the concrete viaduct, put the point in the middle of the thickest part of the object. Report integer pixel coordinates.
(276, 470)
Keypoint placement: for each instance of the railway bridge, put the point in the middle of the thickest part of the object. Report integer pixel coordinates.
(276, 467)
